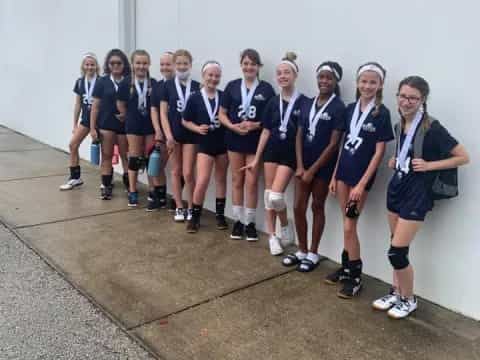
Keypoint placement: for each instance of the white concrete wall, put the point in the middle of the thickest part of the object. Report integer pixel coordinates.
(434, 39)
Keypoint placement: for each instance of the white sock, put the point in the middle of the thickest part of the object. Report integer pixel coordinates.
(300, 255)
(237, 213)
(313, 257)
(250, 215)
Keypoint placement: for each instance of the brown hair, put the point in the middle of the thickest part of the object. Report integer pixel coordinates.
(420, 84)
(379, 94)
(139, 52)
(252, 54)
(182, 52)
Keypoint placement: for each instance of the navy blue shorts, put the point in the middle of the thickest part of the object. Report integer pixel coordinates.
(408, 197)
(85, 123)
(112, 124)
(139, 127)
(212, 149)
(281, 155)
(244, 144)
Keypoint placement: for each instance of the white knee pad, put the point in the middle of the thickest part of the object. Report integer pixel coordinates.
(277, 201)
(266, 199)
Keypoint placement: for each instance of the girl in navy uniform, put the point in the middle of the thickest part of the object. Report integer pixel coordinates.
(317, 148)
(409, 195)
(201, 117)
(277, 145)
(180, 140)
(368, 129)
(83, 90)
(167, 70)
(133, 102)
(241, 111)
(107, 118)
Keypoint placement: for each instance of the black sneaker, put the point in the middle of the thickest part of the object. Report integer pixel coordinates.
(351, 287)
(153, 203)
(162, 203)
(237, 232)
(251, 232)
(334, 278)
(192, 226)
(106, 192)
(221, 222)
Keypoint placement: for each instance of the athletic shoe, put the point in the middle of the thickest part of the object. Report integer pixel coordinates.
(386, 302)
(179, 215)
(334, 278)
(351, 287)
(105, 192)
(162, 203)
(193, 226)
(70, 184)
(221, 222)
(251, 232)
(188, 214)
(275, 247)
(403, 308)
(150, 196)
(153, 204)
(237, 231)
(287, 237)
(133, 199)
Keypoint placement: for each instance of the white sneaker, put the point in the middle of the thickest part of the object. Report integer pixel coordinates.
(386, 302)
(275, 247)
(287, 235)
(403, 308)
(70, 184)
(179, 215)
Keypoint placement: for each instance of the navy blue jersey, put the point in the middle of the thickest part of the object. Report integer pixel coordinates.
(156, 93)
(331, 119)
(169, 95)
(232, 103)
(271, 121)
(354, 160)
(138, 120)
(79, 89)
(105, 91)
(197, 113)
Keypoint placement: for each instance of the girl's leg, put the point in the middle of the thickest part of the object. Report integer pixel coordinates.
(189, 152)
(392, 222)
(176, 174)
(136, 147)
(78, 136)
(280, 183)
(122, 144)
(320, 193)
(162, 179)
(221, 167)
(204, 170)
(251, 187)
(237, 161)
(108, 140)
(270, 170)
(302, 194)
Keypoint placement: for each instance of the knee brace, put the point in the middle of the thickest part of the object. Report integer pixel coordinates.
(398, 257)
(266, 199)
(134, 163)
(277, 201)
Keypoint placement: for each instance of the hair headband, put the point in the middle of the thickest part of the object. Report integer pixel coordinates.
(330, 69)
(291, 64)
(211, 64)
(371, 67)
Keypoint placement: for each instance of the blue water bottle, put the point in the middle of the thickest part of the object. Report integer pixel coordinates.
(154, 162)
(95, 153)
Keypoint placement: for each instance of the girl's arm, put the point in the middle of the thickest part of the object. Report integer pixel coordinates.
(154, 114)
(299, 152)
(375, 161)
(122, 109)
(165, 123)
(327, 153)
(225, 121)
(199, 129)
(333, 183)
(76, 110)
(459, 157)
(93, 118)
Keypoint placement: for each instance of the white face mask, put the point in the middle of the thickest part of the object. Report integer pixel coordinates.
(183, 75)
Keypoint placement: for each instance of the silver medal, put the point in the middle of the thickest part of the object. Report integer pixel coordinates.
(310, 137)
(283, 136)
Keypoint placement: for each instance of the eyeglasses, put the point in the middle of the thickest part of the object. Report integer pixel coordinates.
(409, 99)
(113, 63)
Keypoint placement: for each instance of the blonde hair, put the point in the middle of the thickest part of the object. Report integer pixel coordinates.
(290, 58)
(89, 55)
(182, 52)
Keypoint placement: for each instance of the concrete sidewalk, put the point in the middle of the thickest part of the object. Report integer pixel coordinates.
(202, 296)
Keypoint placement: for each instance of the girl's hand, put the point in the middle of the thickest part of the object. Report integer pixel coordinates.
(171, 144)
(202, 129)
(299, 172)
(94, 135)
(356, 193)
(253, 165)
(75, 127)
(420, 165)
(307, 177)
(332, 187)
(158, 136)
(240, 129)
(392, 162)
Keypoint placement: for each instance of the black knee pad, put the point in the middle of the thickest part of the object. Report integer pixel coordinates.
(134, 163)
(398, 257)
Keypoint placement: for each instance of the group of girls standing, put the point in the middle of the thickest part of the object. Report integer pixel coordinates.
(325, 146)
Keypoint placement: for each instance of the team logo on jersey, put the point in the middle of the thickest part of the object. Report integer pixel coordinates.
(259, 97)
(296, 112)
(369, 128)
(325, 117)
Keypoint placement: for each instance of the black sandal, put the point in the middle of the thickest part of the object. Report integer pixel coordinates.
(291, 260)
(307, 265)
